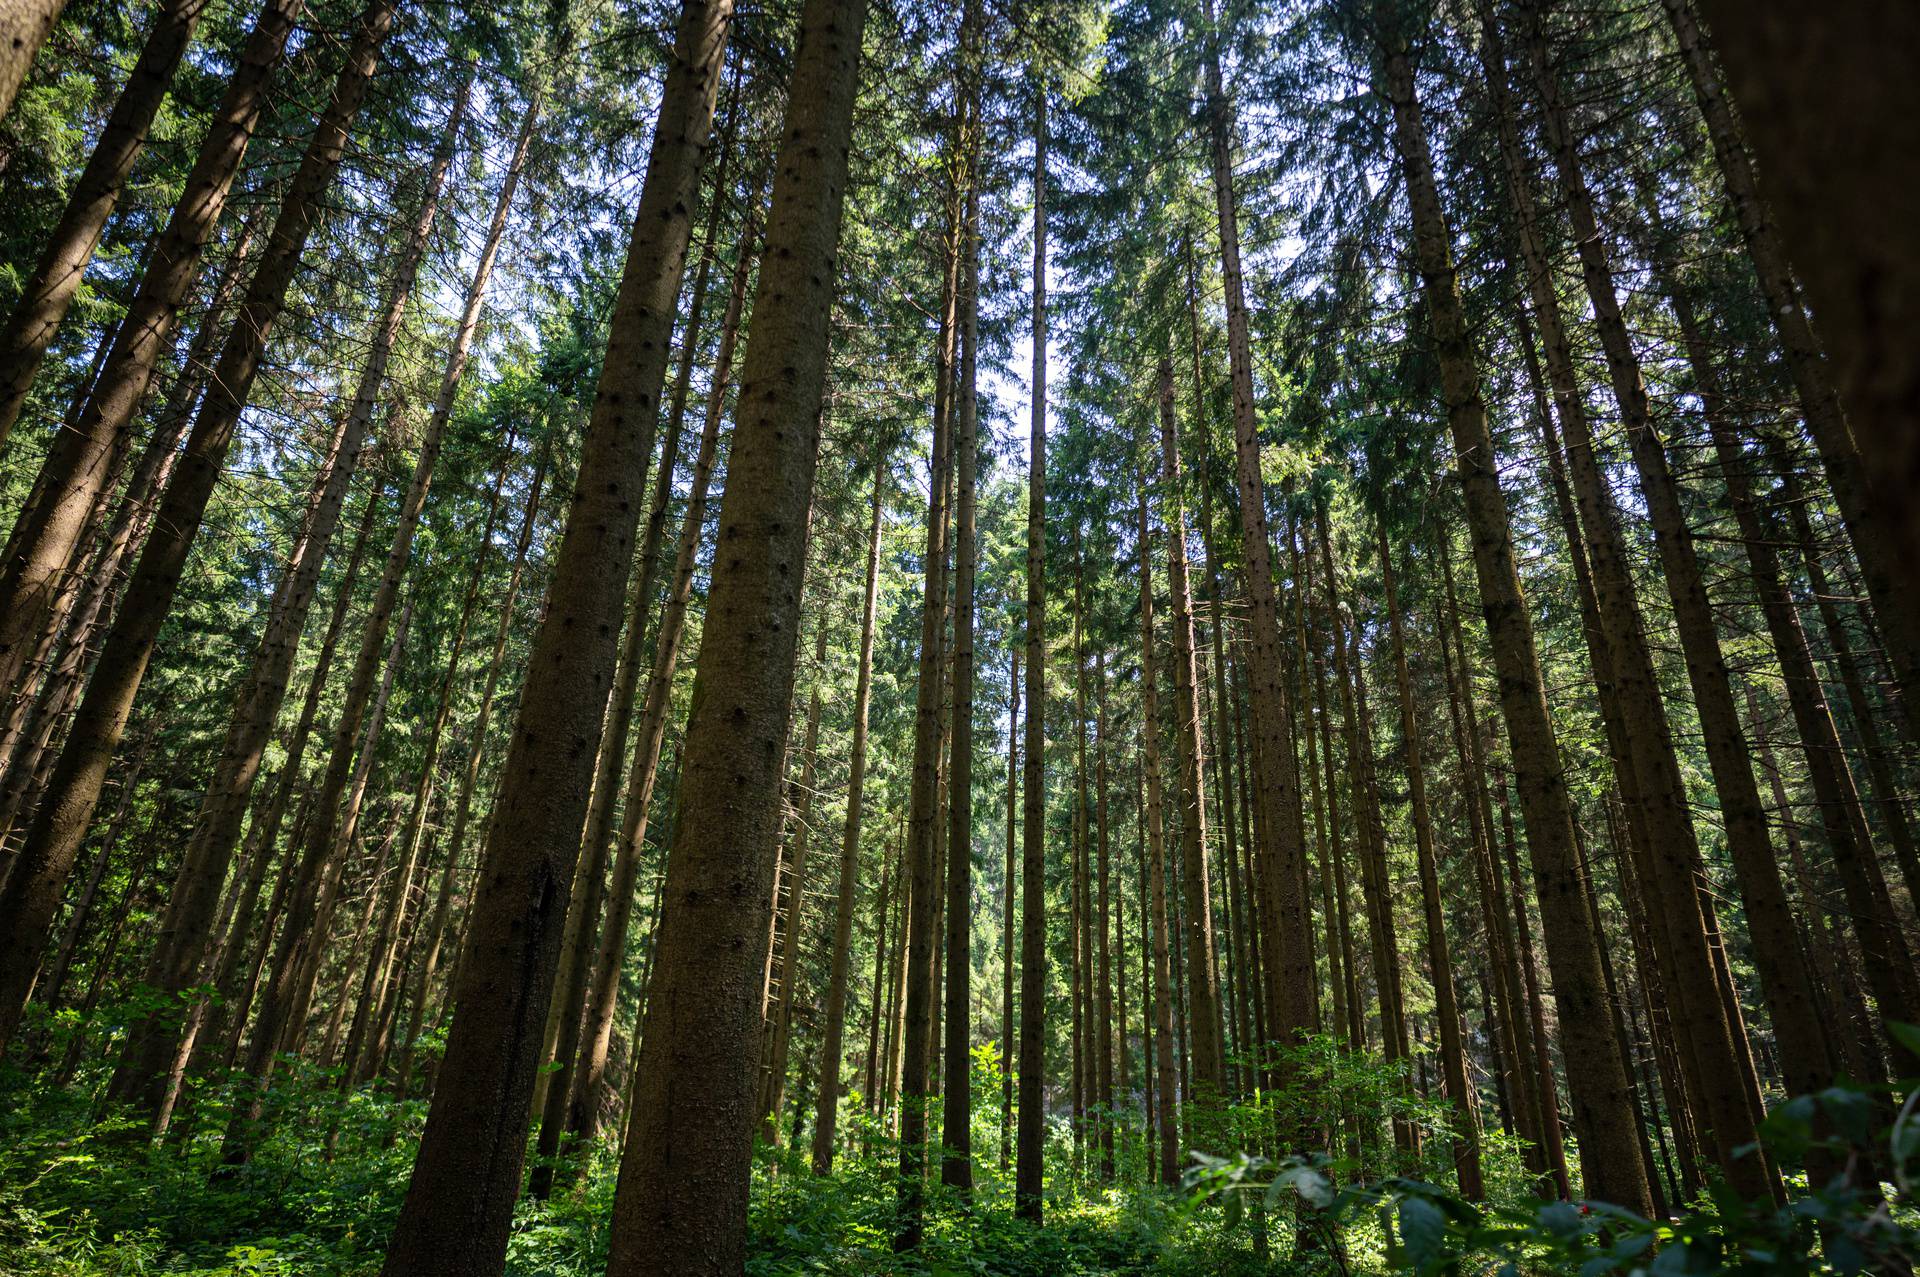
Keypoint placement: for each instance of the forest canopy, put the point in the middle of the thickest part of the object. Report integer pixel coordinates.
(858, 636)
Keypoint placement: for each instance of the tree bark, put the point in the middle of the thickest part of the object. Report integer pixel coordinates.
(1610, 1153)
(1727, 751)
(32, 889)
(596, 1036)
(956, 1166)
(1203, 985)
(1285, 918)
(459, 1205)
(81, 460)
(681, 1207)
(1030, 1140)
(923, 801)
(63, 260)
(1165, 1119)
(23, 29)
(832, 1038)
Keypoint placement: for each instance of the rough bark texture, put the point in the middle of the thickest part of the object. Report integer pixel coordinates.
(1284, 917)
(1030, 1140)
(596, 1035)
(24, 27)
(1602, 1112)
(682, 1203)
(459, 1204)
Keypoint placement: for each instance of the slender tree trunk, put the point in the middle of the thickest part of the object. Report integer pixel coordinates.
(1513, 1031)
(1203, 987)
(1466, 1138)
(1007, 915)
(1102, 917)
(181, 945)
(1030, 1151)
(956, 1166)
(1369, 832)
(63, 260)
(827, 1109)
(1602, 1114)
(467, 1175)
(882, 912)
(32, 889)
(923, 802)
(1165, 1119)
(682, 1203)
(82, 459)
(1285, 918)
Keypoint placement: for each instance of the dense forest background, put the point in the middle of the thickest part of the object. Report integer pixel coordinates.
(1183, 636)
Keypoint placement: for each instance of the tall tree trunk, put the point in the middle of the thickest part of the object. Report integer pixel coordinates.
(1446, 999)
(1030, 1151)
(331, 825)
(1603, 1119)
(180, 946)
(460, 1199)
(1203, 987)
(1284, 914)
(1639, 729)
(1102, 916)
(832, 1038)
(923, 801)
(553, 1093)
(956, 1166)
(1727, 752)
(1165, 1120)
(32, 889)
(63, 260)
(682, 1203)
(1007, 915)
(81, 460)
(596, 1034)
(1762, 59)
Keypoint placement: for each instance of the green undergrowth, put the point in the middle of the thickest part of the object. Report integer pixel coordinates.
(84, 1193)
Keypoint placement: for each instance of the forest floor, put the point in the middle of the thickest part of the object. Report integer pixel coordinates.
(82, 1196)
